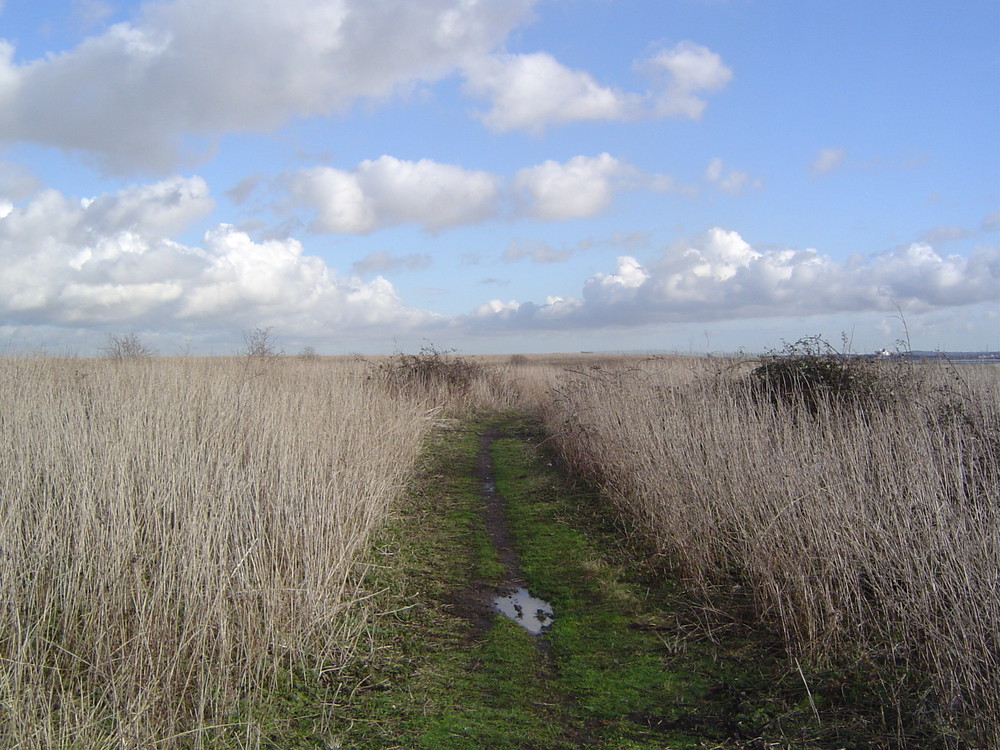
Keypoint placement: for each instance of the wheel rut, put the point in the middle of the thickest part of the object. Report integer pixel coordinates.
(512, 599)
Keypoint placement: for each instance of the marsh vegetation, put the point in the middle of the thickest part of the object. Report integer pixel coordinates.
(181, 537)
(185, 543)
(857, 503)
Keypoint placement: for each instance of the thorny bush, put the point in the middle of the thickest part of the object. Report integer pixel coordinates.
(810, 372)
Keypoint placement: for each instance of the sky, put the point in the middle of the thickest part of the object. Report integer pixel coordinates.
(499, 176)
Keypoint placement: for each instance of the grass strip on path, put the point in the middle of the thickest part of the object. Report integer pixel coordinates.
(445, 672)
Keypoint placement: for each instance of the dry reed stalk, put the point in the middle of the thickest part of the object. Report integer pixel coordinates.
(869, 535)
(176, 534)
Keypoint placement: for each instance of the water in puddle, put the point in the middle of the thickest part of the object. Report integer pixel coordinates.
(529, 612)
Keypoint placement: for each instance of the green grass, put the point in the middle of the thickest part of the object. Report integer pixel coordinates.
(438, 680)
(628, 683)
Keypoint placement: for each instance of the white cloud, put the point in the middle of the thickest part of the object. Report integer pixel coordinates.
(685, 71)
(828, 159)
(721, 277)
(529, 92)
(130, 94)
(620, 285)
(495, 308)
(107, 259)
(532, 91)
(580, 187)
(390, 191)
(157, 210)
(274, 280)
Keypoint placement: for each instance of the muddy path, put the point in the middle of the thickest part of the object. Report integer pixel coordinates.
(618, 657)
(512, 598)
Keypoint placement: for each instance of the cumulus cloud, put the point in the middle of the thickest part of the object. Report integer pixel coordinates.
(390, 191)
(532, 91)
(107, 259)
(582, 186)
(495, 308)
(721, 276)
(157, 210)
(130, 94)
(828, 159)
(529, 92)
(684, 73)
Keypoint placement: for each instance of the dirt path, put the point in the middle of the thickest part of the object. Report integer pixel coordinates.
(624, 662)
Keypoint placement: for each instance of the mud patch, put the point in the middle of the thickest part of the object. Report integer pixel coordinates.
(514, 600)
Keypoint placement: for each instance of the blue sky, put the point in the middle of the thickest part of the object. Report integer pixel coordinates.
(499, 175)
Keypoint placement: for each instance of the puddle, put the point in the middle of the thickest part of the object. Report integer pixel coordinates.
(529, 612)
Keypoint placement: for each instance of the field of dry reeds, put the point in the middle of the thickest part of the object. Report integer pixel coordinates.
(182, 539)
(862, 519)
(179, 536)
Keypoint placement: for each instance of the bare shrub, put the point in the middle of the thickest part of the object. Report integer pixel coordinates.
(430, 368)
(260, 344)
(447, 379)
(125, 346)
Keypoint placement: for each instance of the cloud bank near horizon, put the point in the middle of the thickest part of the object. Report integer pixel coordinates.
(109, 258)
(721, 277)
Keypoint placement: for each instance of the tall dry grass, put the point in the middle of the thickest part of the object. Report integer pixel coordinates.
(868, 534)
(179, 535)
